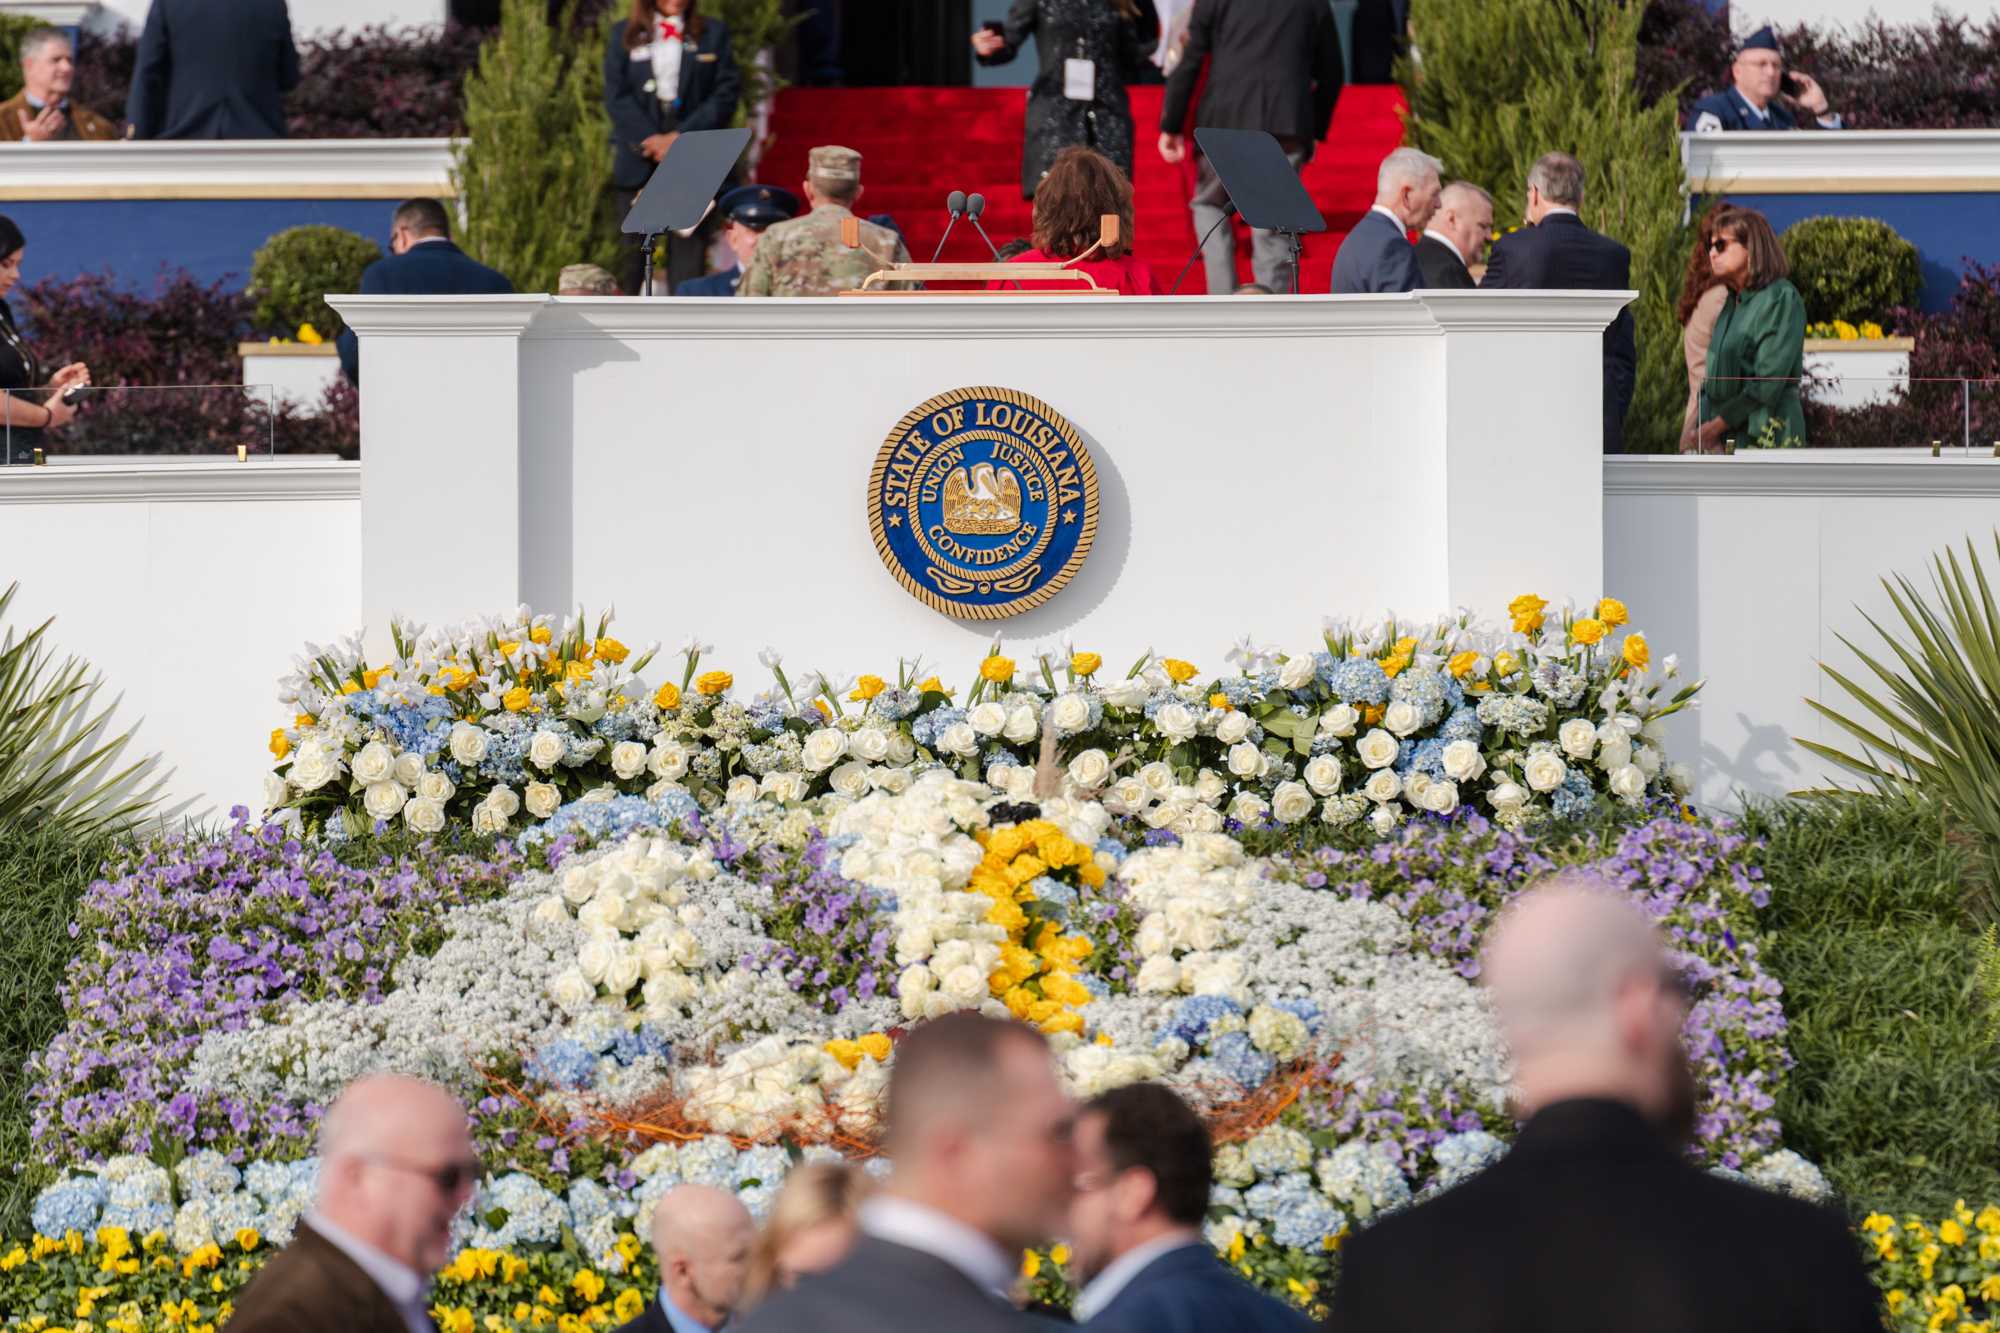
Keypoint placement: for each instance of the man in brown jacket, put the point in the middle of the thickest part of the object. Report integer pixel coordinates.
(42, 112)
(396, 1165)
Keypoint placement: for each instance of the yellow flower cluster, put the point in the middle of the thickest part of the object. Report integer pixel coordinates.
(876, 1046)
(1867, 331)
(1036, 976)
(1943, 1278)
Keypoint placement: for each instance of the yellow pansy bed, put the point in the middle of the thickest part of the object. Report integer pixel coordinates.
(1942, 1275)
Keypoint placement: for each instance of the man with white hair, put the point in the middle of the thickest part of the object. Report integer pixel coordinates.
(702, 1237)
(1596, 1219)
(1456, 237)
(1377, 255)
(396, 1165)
(42, 112)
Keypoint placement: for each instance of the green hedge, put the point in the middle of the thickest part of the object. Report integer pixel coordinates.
(1851, 269)
(292, 272)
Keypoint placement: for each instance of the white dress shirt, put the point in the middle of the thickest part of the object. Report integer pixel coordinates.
(1377, 208)
(909, 1223)
(407, 1289)
(1445, 241)
(1103, 1289)
(667, 53)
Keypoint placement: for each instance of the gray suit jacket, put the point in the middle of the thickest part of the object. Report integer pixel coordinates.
(1376, 257)
(885, 1288)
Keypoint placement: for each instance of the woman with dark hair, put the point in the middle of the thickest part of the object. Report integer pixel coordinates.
(1757, 355)
(29, 404)
(1702, 295)
(1087, 49)
(669, 70)
(1081, 187)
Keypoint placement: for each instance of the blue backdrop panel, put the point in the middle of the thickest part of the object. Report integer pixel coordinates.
(211, 238)
(1947, 229)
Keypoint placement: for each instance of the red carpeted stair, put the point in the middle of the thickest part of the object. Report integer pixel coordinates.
(919, 144)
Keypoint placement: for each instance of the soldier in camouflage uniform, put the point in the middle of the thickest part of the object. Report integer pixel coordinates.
(805, 256)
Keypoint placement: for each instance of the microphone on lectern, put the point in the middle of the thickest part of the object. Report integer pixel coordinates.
(955, 203)
(975, 205)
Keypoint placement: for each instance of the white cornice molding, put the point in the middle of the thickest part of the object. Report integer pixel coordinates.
(439, 316)
(1508, 311)
(1843, 161)
(1824, 474)
(59, 13)
(227, 169)
(138, 481)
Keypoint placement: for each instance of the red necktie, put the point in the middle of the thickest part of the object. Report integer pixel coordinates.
(670, 30)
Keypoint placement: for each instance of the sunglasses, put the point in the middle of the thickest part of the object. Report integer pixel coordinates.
(1721, 243)
(449, 1178)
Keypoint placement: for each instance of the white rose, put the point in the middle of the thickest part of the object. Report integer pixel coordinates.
(1090, 769)
(1158, 778)
(1295, 673)
(1682, 778)
(669, 761)
(1615, 752)
(850, 779)
(965, 983)
(1323, 774)
(623, 974)
(547, 748)
(1402, 718)
(485, 818)
(1383, 820)
(1131, 794)
(742, 789)
(1233, 727)
(1291, 802)
(424, 815)
(1249, 808)
(1577, 737)
(373, 764)
(1245, 760)
(275, 792)
(408, 769)
(1022, 726)
(1415, 785)
(1339, 721)
(1629, 783)
(902, 749)
(1462, 761)
(384, 800)
(628, 760)
(823, 749)
(895, 781)
(1014, 779)
(1648, 760)
(869, 743)
(1069, 713)
(468, 743)
(1160, 975)
(788, 788)
(571, 991)
(960, 739)
(1544, 770)
(1175, 722)
(1378, 749)
(312, 767)
(542, 799)
(989, 718)
(1382, 786)
(1508, 798)
(1131, 693)
(550, 911)
(435, 787)
(1441, 798)
(504, 800)
(593, 960)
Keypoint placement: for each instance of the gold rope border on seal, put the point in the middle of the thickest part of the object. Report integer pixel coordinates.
(1086, 468)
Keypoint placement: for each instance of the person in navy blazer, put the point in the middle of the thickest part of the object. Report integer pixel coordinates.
(213, 69)
(422, 261)
(668, 70)
(1557, 252)
(1377, 255)
(1144, 1174)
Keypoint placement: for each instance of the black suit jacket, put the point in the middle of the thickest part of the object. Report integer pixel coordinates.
(1438, 265)
(434, 268)
(885, 1288)
(312, 1287)
(1562, 254)
(1273, 65)
(652, 1319)
(706, 99)
(1593, 1222)
(213, 69)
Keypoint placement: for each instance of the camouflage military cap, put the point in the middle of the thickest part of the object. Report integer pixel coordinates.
(587, 278)
(831, 162)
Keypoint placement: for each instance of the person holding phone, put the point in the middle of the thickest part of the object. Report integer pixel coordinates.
(1763, 95)
(30, 406)
(1087, 49)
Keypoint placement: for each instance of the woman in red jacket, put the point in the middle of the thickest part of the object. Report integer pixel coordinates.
(1080, 189)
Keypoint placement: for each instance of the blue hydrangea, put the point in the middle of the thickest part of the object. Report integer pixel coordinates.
(765, 717)
(762, 1165)
(1357, 680)
(566, 1063)
(422, 726)
(1111, 847)
(630, 1047)
(1513, 712)
(1058, 898)
(69, 1205)
(1461, 725)
(516, 1210)
(894, 705)
(1191, 1020)
(1459, 1157)
(1238, 1059)
(1423, 690)
(615, 727)
(617, 818)
(926, 729)
(1226, 1197)
(1240, 692)
(1094, 984)
(709, 1161)
(1426, 757)
(1559, 685)
(589, 1201)
(506, 750)
(1303, 1009)
(1308, 1223)
(1575, 798)
(1325, 665)
(274, 1181)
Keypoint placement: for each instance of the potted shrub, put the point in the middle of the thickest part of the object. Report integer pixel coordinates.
(289, 279)
(1852, 273)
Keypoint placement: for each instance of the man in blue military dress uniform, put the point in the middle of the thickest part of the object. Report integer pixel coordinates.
(749, 209)
(1755, 101)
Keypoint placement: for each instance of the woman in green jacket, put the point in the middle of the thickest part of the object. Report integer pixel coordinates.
(1757, 355)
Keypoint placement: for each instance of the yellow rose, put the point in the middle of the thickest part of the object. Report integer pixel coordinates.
(669, 696)
(931, 685)
(847, 1052)
(867, 688)
(1506, 664)
(517, 699)
(1179, 672)
(1612, 611)
(1636, 654)
(280, 744)
(1461, 664)
(997, 669)
(1527, 612)
(876, 1046)
(369, 679)
(1220, 700)
(1588, 631)
(612, 651)
(713, 682)
(350, 687)
(1085, 664)
(1393, 665)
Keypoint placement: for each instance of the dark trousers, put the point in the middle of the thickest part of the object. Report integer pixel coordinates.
(684, 257)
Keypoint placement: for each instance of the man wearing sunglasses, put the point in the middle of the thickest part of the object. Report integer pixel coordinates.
(396, 1165)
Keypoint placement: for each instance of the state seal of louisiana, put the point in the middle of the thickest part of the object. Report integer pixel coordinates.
(983, 502)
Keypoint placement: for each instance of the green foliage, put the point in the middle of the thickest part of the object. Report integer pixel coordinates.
(294, 270)
(755, 26)
(1896, 1093)
(1851, 268)
(43, 872)
(56, 762)
(1986, 972)
(13, 27)
(1504, 81)
(1934, 726)
(537, 149)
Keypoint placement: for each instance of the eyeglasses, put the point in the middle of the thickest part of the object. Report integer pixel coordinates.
(449, 1178)
(1721, 243)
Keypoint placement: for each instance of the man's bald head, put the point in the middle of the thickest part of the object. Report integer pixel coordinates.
(396, 1165)
(376, 1113)
(689, 1216)
(703, 1238)
(1584, 991)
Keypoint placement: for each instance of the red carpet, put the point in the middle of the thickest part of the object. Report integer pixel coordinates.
(919, 144)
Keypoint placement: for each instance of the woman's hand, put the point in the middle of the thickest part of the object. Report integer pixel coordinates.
(1710, 435)
(74, 375)
(60, 413)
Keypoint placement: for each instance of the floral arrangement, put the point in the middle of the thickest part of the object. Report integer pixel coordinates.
(715, 993)
(502, 722)
(1942, 1275)
(1842, 331)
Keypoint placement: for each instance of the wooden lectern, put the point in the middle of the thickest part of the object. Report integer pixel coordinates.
(1081, 283)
